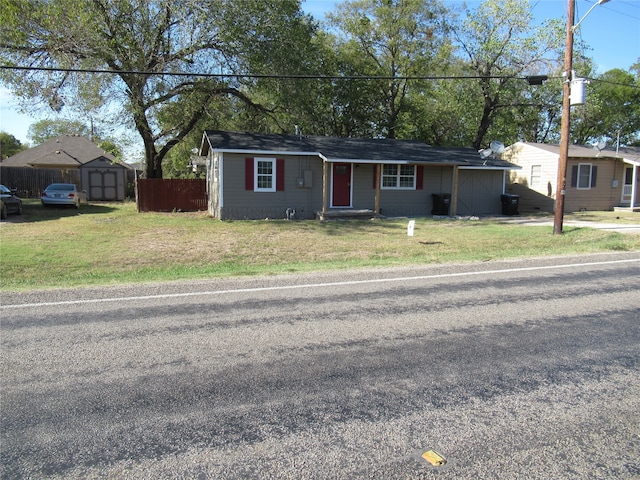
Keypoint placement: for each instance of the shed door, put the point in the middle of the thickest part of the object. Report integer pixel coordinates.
(103, 185)
(341, 180)
(479, 192)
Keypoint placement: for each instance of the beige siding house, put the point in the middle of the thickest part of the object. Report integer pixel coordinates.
(596, 179)
(256, 176)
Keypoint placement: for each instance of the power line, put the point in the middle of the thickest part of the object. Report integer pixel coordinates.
(527, 78)
(613, 83)
(262, 76)
(608, 7)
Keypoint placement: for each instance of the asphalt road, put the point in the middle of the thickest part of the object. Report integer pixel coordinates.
(515, 369)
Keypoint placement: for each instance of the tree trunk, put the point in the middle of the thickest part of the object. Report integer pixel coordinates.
(488, 111)
(152, 161)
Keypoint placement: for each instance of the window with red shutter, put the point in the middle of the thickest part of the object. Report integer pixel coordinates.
(264, 174)
(280, 175)
(248, 174)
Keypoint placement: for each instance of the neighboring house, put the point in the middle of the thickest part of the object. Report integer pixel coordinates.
(256, 176)
(596, 179)
(102, 177)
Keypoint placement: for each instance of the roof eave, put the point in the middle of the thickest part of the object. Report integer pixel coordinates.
(264, 152)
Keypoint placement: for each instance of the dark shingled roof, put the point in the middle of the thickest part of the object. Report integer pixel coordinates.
(349, 149)
(66, 151)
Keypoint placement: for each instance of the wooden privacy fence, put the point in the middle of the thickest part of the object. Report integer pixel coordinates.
(160, 195)
(30, 182)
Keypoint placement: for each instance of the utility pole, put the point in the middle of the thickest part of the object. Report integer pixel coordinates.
(565, 125)
(561, 183)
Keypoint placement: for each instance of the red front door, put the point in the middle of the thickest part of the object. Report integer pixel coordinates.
(341, 185)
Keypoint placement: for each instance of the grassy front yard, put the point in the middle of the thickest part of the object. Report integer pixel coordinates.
(112, 243)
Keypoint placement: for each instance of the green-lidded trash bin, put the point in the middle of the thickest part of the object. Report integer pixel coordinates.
(510, 204)
(441, 203)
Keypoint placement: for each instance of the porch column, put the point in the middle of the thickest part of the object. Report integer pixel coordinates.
(634, 187)
(325, 186)
(454, 192)
(376, 201)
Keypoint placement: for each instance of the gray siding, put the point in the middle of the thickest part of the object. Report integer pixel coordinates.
(364, 195)
(229, 198)
(436, 180)
(393, 203)
(239, 203)
(479, 192)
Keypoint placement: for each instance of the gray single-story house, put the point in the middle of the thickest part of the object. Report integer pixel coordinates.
(258, 176)
(597, 179)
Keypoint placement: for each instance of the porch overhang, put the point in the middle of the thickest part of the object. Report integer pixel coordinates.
(489, 167)
(635, 163)
(426, 163)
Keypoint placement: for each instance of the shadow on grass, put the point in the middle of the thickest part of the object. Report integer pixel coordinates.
(335, 227)
(34, 211)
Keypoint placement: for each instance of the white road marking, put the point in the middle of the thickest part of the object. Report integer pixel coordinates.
(313, 285)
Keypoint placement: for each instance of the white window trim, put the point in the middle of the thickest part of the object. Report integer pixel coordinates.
(273, 174)
(537, 184)
(397, 177)
(590, 167)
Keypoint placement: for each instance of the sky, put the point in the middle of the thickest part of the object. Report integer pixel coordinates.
(611, 31)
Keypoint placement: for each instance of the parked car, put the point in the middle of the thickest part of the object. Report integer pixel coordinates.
(61, 194)
(9, 202)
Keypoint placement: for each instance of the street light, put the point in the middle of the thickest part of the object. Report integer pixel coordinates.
(599, 2)
(561, 183)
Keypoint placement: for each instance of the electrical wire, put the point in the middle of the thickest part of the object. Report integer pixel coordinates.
(294, 77)
(261, 76)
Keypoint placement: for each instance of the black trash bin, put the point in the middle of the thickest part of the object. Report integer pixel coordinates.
(510, 204)
(441, 202)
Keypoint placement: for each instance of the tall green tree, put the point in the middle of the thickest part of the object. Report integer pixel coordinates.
(611, 111)
(9, 145)
(442, 112)
(395, 39)
(499, 42)
(289, 88)
(154, 49)
(46, 129)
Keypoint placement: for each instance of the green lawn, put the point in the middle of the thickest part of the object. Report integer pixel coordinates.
(112, 243)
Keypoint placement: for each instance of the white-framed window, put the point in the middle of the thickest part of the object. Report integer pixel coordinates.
(536, 176)
(264, 171)
(398, 177)
(584, 176)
